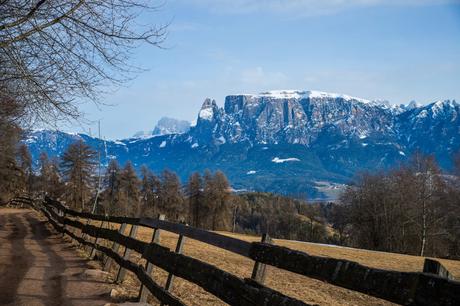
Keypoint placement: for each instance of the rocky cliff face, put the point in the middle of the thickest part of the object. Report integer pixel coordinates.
(167, 126)
(291, 142)
(293, 117)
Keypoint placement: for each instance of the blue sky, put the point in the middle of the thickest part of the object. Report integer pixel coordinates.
(398, 50)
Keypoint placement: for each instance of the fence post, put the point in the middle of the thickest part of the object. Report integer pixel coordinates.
(62, 214)
(258, 272)
(83, 235)
(435, 267)
(122, 271)
(179, 247)
(93, 249)
(144, 292)
(115, 248)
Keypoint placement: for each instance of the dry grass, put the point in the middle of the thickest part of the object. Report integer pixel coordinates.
(303, 288)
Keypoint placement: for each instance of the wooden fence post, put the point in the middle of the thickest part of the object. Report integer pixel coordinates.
(435, 267)
(144, 292)
(62, 214)
(179, 247)
(93, 249)
(83, 235)
(258, 272)
(170, 280)
(115, 248)
(122, 271)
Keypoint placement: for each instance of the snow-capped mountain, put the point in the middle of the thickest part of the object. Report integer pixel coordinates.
(166, 126)
(290, 142)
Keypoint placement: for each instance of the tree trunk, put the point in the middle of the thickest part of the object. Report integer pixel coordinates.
(423, 238)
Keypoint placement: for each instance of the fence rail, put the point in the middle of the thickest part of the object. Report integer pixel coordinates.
(407, 288)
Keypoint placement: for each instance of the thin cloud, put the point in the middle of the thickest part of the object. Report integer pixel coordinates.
(259, 77)
(304, 7)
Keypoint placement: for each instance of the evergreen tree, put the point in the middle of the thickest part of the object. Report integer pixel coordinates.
(209, 199)
(56, 187)
(44, 167)
(195, 194)
(221, 209)
(130, 193)
(25, 165)
(112, 189)
(170, 196)
(216, 194)
(150, 186)
(78, 163)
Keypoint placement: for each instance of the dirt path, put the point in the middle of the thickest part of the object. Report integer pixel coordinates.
(38, 268)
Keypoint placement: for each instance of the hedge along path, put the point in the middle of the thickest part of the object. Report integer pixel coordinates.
(400, 287)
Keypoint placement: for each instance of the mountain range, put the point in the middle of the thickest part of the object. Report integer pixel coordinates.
(301, 143)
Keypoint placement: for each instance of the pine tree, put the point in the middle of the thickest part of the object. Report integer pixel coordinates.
(43, 177)
(222, 194)
(25, 165)
(209, 199)
(216, 194)
(78, 163)
(130, 193)
(170, 196)
(112, 188)
(150, 186)
(195, 193)
(56, 187)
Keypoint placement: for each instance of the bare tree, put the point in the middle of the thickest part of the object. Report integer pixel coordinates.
(10, 173)
(130, 193)
(78, 163)
(25, 164)
(195, 197)
(54, 53)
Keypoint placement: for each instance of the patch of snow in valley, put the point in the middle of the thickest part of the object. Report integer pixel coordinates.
(118, 142)
(222, 139)
(163, 144)
(278, 160)
(195, 145)
(251, 172)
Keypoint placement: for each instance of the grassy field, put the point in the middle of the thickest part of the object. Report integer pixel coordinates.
(304, 288)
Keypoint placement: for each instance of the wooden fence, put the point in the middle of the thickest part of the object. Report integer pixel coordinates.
(406, 288)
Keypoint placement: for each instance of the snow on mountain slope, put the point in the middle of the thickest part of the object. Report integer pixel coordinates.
(286, 140)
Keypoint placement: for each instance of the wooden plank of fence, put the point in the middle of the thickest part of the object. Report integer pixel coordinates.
(110, 219)
(435, 267)
(224, 285)
(259, 270)
(143, 293)
(228, 287)
(224, 242)
(145, 279)
(399, 287)
(121, 270)
(115, 248)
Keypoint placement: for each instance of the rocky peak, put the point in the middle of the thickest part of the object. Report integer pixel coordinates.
(208, 109)
(166, 126)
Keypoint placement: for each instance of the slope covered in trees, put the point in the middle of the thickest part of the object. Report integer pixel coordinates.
(413, 209)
